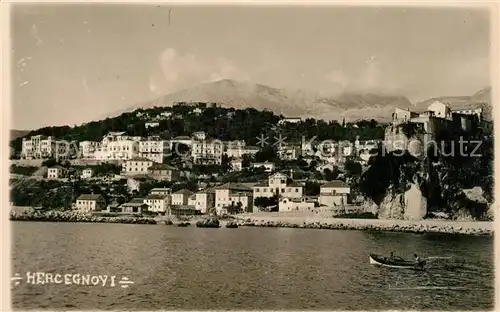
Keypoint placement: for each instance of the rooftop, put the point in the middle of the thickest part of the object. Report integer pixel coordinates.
(155, 196)
(335, 183)
(89, 197)
(184, 191)
(233, 187)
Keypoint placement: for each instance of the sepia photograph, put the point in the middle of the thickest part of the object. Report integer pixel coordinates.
(238, 156)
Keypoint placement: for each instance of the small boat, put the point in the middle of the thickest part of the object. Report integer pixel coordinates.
(396, 262)
(183, 224)
(231, 225)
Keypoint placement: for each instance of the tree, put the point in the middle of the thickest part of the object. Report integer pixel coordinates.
(312, 188)
(330, 175)
(353, 168)
(266, 154)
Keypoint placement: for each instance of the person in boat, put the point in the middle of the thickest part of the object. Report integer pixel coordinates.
(417, 258)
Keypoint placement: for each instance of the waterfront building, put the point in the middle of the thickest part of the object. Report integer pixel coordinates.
(230, 195)
(136, 205)
(90, 202)
(181, 197)
(334, 193)
(205, 200)
(158, 203)
(303, 204)
(278, 185)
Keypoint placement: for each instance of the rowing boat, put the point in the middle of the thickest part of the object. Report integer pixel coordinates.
(396, 262)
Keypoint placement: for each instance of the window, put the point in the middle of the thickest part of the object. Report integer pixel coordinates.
(283, 190)
(257, 190)
(296, 190)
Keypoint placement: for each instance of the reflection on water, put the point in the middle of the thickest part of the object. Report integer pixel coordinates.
(249, 268)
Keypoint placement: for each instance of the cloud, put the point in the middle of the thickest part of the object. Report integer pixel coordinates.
(177, 71)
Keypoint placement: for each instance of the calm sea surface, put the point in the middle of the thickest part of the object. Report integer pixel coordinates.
(247, 268)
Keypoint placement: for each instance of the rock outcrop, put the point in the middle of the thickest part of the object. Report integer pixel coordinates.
(210, 222)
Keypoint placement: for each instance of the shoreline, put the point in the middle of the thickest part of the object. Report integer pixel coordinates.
(478, 228)
(282, 220)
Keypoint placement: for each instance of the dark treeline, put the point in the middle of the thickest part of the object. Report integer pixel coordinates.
(220, 123)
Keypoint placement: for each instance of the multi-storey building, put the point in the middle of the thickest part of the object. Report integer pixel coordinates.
(164, 172)
(205, 200)
(117, 146)
(158, 203)
(137, 165)
(334, 193)
(88, 148)
(233, 194)
(90, 202)
(278, 185)
(39, 146)
(181, 197)
(154, 148)
(207, 152)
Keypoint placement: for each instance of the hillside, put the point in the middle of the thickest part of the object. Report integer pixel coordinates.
(481, 98)
(230, 93)
(14, 134)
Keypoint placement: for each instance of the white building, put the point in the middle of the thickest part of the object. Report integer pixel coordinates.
(236, 149)
(236, 165)
(278, 185)
(88, 148)
(137, 165)
(205, 200)
(117, 146)
(87, 173)
(478, 111)
(334, 193)
(56, 172)
(151, 124)
(90, 202)
(289, 120)
(289, 152)
(440, 110)
(161, 191)
(199, 135)
(154, 148)
(268, 166)
(180, 140)
(233, 194)
(296, 204)
(207, 152)
(181, 197)
(158, 203)
(39, 146)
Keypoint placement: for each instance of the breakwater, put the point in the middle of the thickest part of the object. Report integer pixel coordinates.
(425, 226)
(74, 216)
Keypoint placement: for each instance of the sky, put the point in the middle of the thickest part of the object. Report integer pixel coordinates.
(72, 63)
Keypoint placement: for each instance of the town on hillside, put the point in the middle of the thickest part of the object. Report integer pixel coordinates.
(163, 173)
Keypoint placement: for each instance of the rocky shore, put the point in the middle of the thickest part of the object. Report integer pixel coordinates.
(425, 226)
(73, 216)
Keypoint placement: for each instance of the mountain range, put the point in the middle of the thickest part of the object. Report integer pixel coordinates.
(297, 103)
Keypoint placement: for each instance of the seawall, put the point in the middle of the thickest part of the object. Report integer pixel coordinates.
(313, 222)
